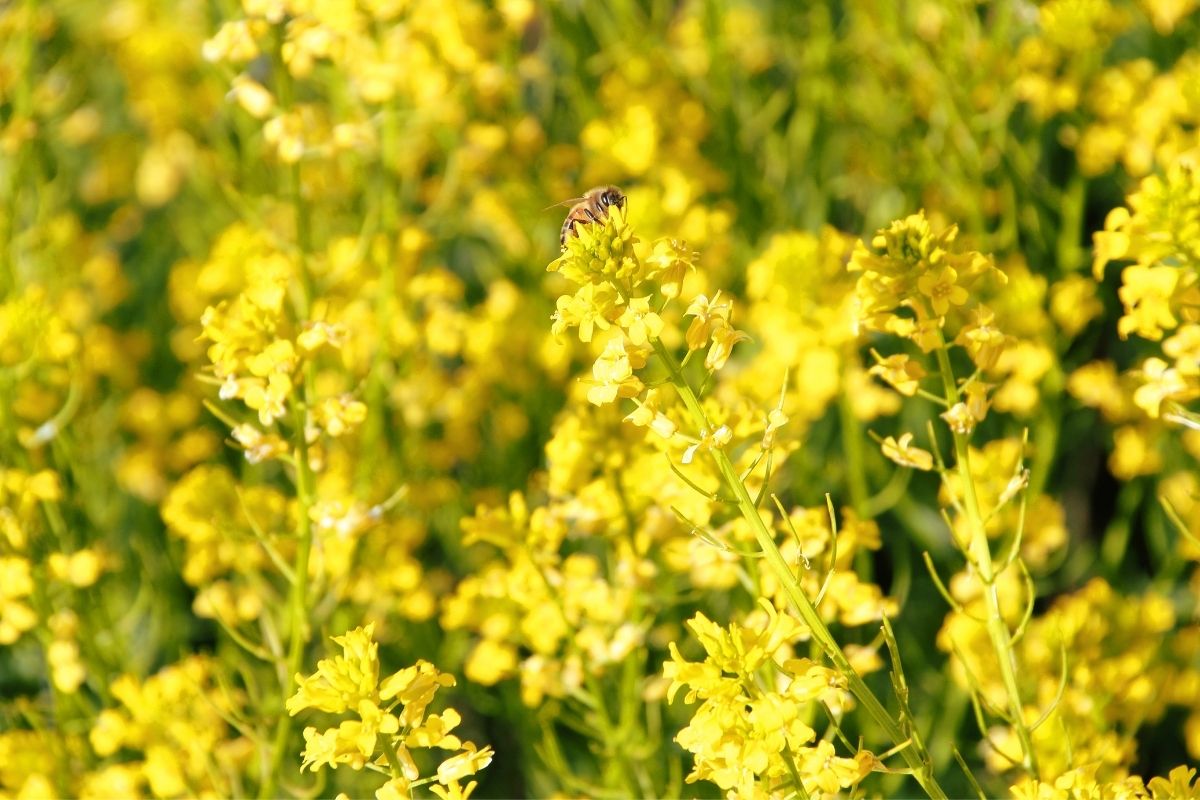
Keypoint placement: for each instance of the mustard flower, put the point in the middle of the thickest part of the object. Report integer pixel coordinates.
(941, 289)
(1178, 784)
(669, 264)
(640, 324)
(466, 763)
(649, 414)
(918, 270)
(900, 372)
(750, 739)
(259, 446)
(394, 709)
(707, 315)
(591, 307)
(1074, 304)
(415, 687)
(339, 415)
(603, 252)
(1147, 293)
(1161, 382)
(959, 418)
(976, 394)
(613, 372)
(724, 337)
(16, 616)
(252, 96)
(709, 440)
(236, 41)
(983, 340)
(342, 681)
(903, 453)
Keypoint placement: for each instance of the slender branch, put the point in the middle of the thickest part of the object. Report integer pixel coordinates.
(915, 757)
(980, 554)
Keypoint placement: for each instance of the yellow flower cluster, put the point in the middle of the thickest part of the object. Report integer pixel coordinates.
(910, 285)
(393, 721)
(752, 734)
(273, 356)
(1160, 232)
(168, 735)
(1101, 666)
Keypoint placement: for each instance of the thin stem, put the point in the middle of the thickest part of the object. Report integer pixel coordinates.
(980, 555)
(915, 757)
(389, 752)
(297, 599)
(613, 744)
(852, 447)
(297, 610)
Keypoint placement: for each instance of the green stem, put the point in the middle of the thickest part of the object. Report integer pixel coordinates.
(1068, 251)
(297, 610)
(614, 745)
(852, 447)
(980, 555)
(389, 752)
(297, 599)
(914, 755)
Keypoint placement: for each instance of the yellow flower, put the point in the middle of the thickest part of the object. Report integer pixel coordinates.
(490, 662)
(916, 273)
(415, 687)
(640, 323)
(648, 414)
(904, 454)
(669, 263)
(1073, 303)
(724, 337)
(959, 418)
(592, 306)
(708, 441)
(900, 372)
(613, 373)
(463, 765)
(1147, 294)
(1177, 785)
(16, 583)
(983, 341)
(343, 681)
(1161, 382)
(941, 289)
(252, 96)
(341, 414)
(395, 789)
(453, 791)
(259, 446)
(435, 732)
(707, 313)
(1135, 452)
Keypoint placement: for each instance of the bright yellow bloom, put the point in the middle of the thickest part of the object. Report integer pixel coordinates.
(1147, 293)
(343, 681)
(941, 290)
(904, 454)
(708, 314)
(959, 418)
(900, 372)
(613, 373)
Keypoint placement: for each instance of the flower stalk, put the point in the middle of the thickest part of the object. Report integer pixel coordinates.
(980, 555)
(913, 753)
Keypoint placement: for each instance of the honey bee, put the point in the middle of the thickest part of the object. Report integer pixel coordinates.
(592, 207)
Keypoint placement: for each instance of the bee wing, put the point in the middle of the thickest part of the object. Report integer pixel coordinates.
(570, 202)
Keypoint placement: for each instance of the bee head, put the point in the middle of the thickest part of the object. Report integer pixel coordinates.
(612, 196)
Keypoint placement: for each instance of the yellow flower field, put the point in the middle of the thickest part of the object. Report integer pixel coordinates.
(842, 443)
